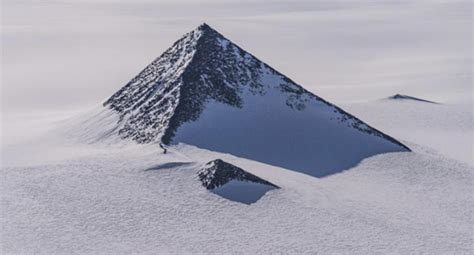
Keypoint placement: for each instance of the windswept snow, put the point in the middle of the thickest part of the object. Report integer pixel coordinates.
(446, 127)
(241, 191)
(131, 199)
(123, 198)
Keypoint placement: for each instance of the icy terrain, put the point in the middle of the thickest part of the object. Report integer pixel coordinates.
(65, 197)
(446, 127)
(69, 187)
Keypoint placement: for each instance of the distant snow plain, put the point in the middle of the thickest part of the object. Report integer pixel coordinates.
(60, 196)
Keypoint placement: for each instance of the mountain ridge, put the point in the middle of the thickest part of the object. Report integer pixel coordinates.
(191, 43)
(208, 92)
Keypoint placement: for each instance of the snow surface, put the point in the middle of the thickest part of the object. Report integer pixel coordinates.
(317, 146)
(446, 127)
(120, 198)
(63, 197)
(314, 140)
(243, 192)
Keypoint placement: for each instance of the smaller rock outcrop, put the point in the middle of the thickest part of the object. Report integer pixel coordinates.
(405, 97)
(218, 172)
(232, 182)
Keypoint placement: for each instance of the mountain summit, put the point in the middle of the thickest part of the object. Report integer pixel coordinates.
(208, 92)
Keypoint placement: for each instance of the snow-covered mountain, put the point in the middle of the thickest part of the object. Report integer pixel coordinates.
(208, 92)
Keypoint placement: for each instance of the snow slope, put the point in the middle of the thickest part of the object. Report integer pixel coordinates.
(312, 141)
(62, 196)
(445, 127)
(131, 199)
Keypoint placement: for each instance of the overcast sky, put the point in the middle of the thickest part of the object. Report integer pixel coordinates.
(65, 54)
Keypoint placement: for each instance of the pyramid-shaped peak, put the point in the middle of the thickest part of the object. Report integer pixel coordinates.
(208, 92)
(203, 35)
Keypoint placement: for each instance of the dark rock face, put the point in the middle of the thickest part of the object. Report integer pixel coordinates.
(405, 97)
(147, 103)
(174, 88)
(202, 66)
(217, 173)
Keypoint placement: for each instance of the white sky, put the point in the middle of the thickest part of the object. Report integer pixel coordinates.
(64, 54)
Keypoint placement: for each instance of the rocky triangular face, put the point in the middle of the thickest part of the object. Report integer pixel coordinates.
(232, 182)
(217, 173)
(174, 88)
(208, 92)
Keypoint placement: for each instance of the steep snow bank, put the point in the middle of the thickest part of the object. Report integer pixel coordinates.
(315, 140)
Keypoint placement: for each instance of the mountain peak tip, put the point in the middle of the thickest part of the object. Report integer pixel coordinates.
(205, 30)
(205, 27)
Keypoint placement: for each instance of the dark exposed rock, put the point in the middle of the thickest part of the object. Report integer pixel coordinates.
(405, 97)
(216, 173)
